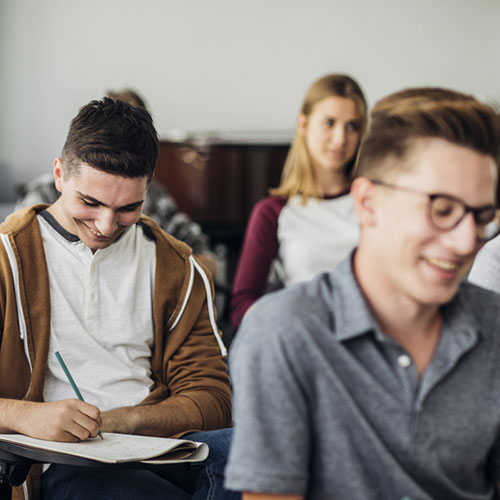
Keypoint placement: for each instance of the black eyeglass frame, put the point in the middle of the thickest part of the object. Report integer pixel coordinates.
(475, 211)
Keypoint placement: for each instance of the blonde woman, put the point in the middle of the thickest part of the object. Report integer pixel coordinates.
(308, 223)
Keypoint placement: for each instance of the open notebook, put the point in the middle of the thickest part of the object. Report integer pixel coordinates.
(117, 448)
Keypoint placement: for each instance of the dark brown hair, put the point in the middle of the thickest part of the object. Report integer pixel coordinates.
(112, 136)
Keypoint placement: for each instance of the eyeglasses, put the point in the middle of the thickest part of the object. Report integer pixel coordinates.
(446, 212)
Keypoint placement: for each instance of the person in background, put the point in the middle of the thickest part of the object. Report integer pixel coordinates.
(128, 95)
(308, 223)
(485, 271)
(381, 379)
(127, 305)
(159, 204)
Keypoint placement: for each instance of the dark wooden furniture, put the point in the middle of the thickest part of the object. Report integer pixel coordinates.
(217, 178)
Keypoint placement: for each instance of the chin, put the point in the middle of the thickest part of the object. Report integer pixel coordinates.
(440, 297)
(96, 245)
(336, 165)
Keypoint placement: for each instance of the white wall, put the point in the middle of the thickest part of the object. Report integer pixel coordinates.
(223, 64)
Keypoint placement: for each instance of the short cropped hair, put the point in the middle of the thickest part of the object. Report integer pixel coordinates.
(114, 137)
(420, 113)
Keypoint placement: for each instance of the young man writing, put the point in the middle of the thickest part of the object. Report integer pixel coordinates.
(381, 379)
(125, 304)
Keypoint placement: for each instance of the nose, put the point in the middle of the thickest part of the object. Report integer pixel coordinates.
(339, 135)
(106, 223)
(464, 237)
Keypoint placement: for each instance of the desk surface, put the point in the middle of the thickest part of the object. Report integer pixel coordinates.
(15, 453)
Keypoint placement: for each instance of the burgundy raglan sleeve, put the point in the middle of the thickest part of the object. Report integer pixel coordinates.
(260, 247)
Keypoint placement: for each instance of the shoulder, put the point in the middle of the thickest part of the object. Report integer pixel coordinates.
(263, 220)
(482, 304)
(477, 294)
(22, 219)
(180, 287)
(291, 316)
(270, 206)
(486, 268)
(282, 335)
(22, 240)
(164, 241)
(264, 216)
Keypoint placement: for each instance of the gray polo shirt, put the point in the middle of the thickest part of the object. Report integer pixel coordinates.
(327, 406)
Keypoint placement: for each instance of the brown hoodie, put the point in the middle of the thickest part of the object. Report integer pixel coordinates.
(186, 337)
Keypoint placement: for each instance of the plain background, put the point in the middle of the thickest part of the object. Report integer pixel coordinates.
(222, 65)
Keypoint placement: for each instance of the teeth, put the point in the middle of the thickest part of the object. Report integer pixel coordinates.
(97, 233)
(442, 264)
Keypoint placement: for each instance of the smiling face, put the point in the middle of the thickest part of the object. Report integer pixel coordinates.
(402, 252)
(332, 132)
(97, 206)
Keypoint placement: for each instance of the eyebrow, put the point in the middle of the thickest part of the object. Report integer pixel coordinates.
(335, 118)
(94, 200)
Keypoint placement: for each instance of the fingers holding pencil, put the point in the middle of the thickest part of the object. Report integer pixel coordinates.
(88, 419)
(67, 420)
(75, 387)
(82, 420)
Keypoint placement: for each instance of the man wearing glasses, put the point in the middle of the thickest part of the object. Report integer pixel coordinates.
(381, 379)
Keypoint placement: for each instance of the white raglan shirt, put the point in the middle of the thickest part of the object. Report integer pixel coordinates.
(315, 237)
(101, 316)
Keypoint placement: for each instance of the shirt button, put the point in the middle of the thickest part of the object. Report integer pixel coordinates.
(404, 361)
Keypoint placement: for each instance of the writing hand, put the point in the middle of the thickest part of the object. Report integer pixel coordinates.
(68, 420)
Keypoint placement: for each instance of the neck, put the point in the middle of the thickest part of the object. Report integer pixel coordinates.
(415, 326)
(56, 212)
(331, 182)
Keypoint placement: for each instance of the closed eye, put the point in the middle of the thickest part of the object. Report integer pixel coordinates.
(444, 211)
(130, 208)
(90, 203)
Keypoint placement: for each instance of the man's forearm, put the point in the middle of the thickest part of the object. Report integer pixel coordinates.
(11, 413)
(166, 418)
(65, 420)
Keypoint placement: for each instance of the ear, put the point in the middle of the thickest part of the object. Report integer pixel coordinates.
(58, 173)
(301, 123)
(363, 192)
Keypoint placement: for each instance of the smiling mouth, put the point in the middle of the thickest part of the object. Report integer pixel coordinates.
(444, 265)
(96, 233)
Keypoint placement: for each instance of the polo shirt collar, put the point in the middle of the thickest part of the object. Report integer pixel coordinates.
(350, 310)
(353, 317)
(460, 318)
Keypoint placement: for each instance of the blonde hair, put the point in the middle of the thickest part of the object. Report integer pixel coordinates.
(298, 175)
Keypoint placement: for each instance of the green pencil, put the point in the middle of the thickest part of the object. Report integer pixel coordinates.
(71, 381)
